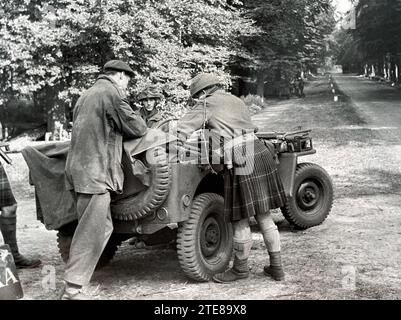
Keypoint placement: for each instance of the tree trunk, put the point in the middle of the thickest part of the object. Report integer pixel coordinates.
(260, 90)
(55, 115)
(54, 109)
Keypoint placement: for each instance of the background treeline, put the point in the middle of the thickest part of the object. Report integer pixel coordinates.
(52, 50)
(373, 47)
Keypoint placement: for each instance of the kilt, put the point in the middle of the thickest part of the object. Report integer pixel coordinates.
(6, 194)
(256, 189)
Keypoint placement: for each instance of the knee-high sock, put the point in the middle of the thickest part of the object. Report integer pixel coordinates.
(242, 245)
(269, 231)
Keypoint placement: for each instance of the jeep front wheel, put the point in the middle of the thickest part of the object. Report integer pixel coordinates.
(312, 197)
(204, 240)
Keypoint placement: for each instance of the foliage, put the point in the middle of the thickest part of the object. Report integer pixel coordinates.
(293, 35)
(52, 50)
(254, 103)
(376, 39)
(378, 27)
(345, 49)
(55, 49)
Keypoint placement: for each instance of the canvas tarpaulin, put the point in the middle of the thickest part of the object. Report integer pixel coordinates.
(46, 163)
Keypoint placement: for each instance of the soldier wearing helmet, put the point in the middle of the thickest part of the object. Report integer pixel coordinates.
(219, 110)
(250, 191)
(150, 99)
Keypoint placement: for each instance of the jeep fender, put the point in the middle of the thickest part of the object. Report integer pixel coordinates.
(286, 168)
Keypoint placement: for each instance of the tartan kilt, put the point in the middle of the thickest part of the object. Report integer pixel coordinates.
(6, 194)
(256, 189)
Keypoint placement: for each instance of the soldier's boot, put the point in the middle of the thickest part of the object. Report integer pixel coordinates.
(275, 270)
(240, 269)
(8, 227)
(271, 238)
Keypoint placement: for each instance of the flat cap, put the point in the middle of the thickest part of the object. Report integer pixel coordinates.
(202, 81)
(118, 65)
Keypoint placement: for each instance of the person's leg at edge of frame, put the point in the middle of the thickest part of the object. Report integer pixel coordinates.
(90, 238)
(8, 228)
(242, 248)
(271, 238)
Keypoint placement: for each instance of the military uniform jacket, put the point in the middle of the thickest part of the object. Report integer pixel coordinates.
(221, 112)
(151, 118)
(102, 118)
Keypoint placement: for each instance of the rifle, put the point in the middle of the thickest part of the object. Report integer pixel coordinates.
(3, 154)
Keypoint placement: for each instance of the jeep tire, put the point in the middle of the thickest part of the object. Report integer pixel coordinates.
(204, 240)
(312, 197)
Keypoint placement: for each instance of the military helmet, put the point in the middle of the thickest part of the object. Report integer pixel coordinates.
(150, 93)
(202, 81)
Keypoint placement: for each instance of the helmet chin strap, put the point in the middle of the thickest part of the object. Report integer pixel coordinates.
(205, 92)
(209, 90)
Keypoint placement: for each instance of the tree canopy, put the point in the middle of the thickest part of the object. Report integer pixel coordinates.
(376, 38)
(51, 51)
(292, 33)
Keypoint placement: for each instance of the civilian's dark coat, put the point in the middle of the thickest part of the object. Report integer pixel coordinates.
(102, 118)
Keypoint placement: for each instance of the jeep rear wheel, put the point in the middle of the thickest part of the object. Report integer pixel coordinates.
(204, 241)
(64, 239)
(312, 197)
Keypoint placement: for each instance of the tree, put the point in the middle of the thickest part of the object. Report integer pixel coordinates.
(346, 51)
(292, 37)
(51, 51)
(376, 39)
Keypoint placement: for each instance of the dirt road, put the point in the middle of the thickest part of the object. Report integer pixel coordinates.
(354, 254)
(379, 103)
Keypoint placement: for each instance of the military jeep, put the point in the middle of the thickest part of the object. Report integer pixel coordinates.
(182, 202)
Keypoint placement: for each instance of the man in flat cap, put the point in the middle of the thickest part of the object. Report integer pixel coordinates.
(102, 119)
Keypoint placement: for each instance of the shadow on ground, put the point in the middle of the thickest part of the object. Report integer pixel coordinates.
(370, 182)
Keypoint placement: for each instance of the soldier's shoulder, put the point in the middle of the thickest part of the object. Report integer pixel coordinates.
(223, 97)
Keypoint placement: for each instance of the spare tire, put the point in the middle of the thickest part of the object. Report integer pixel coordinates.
(148, 200)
